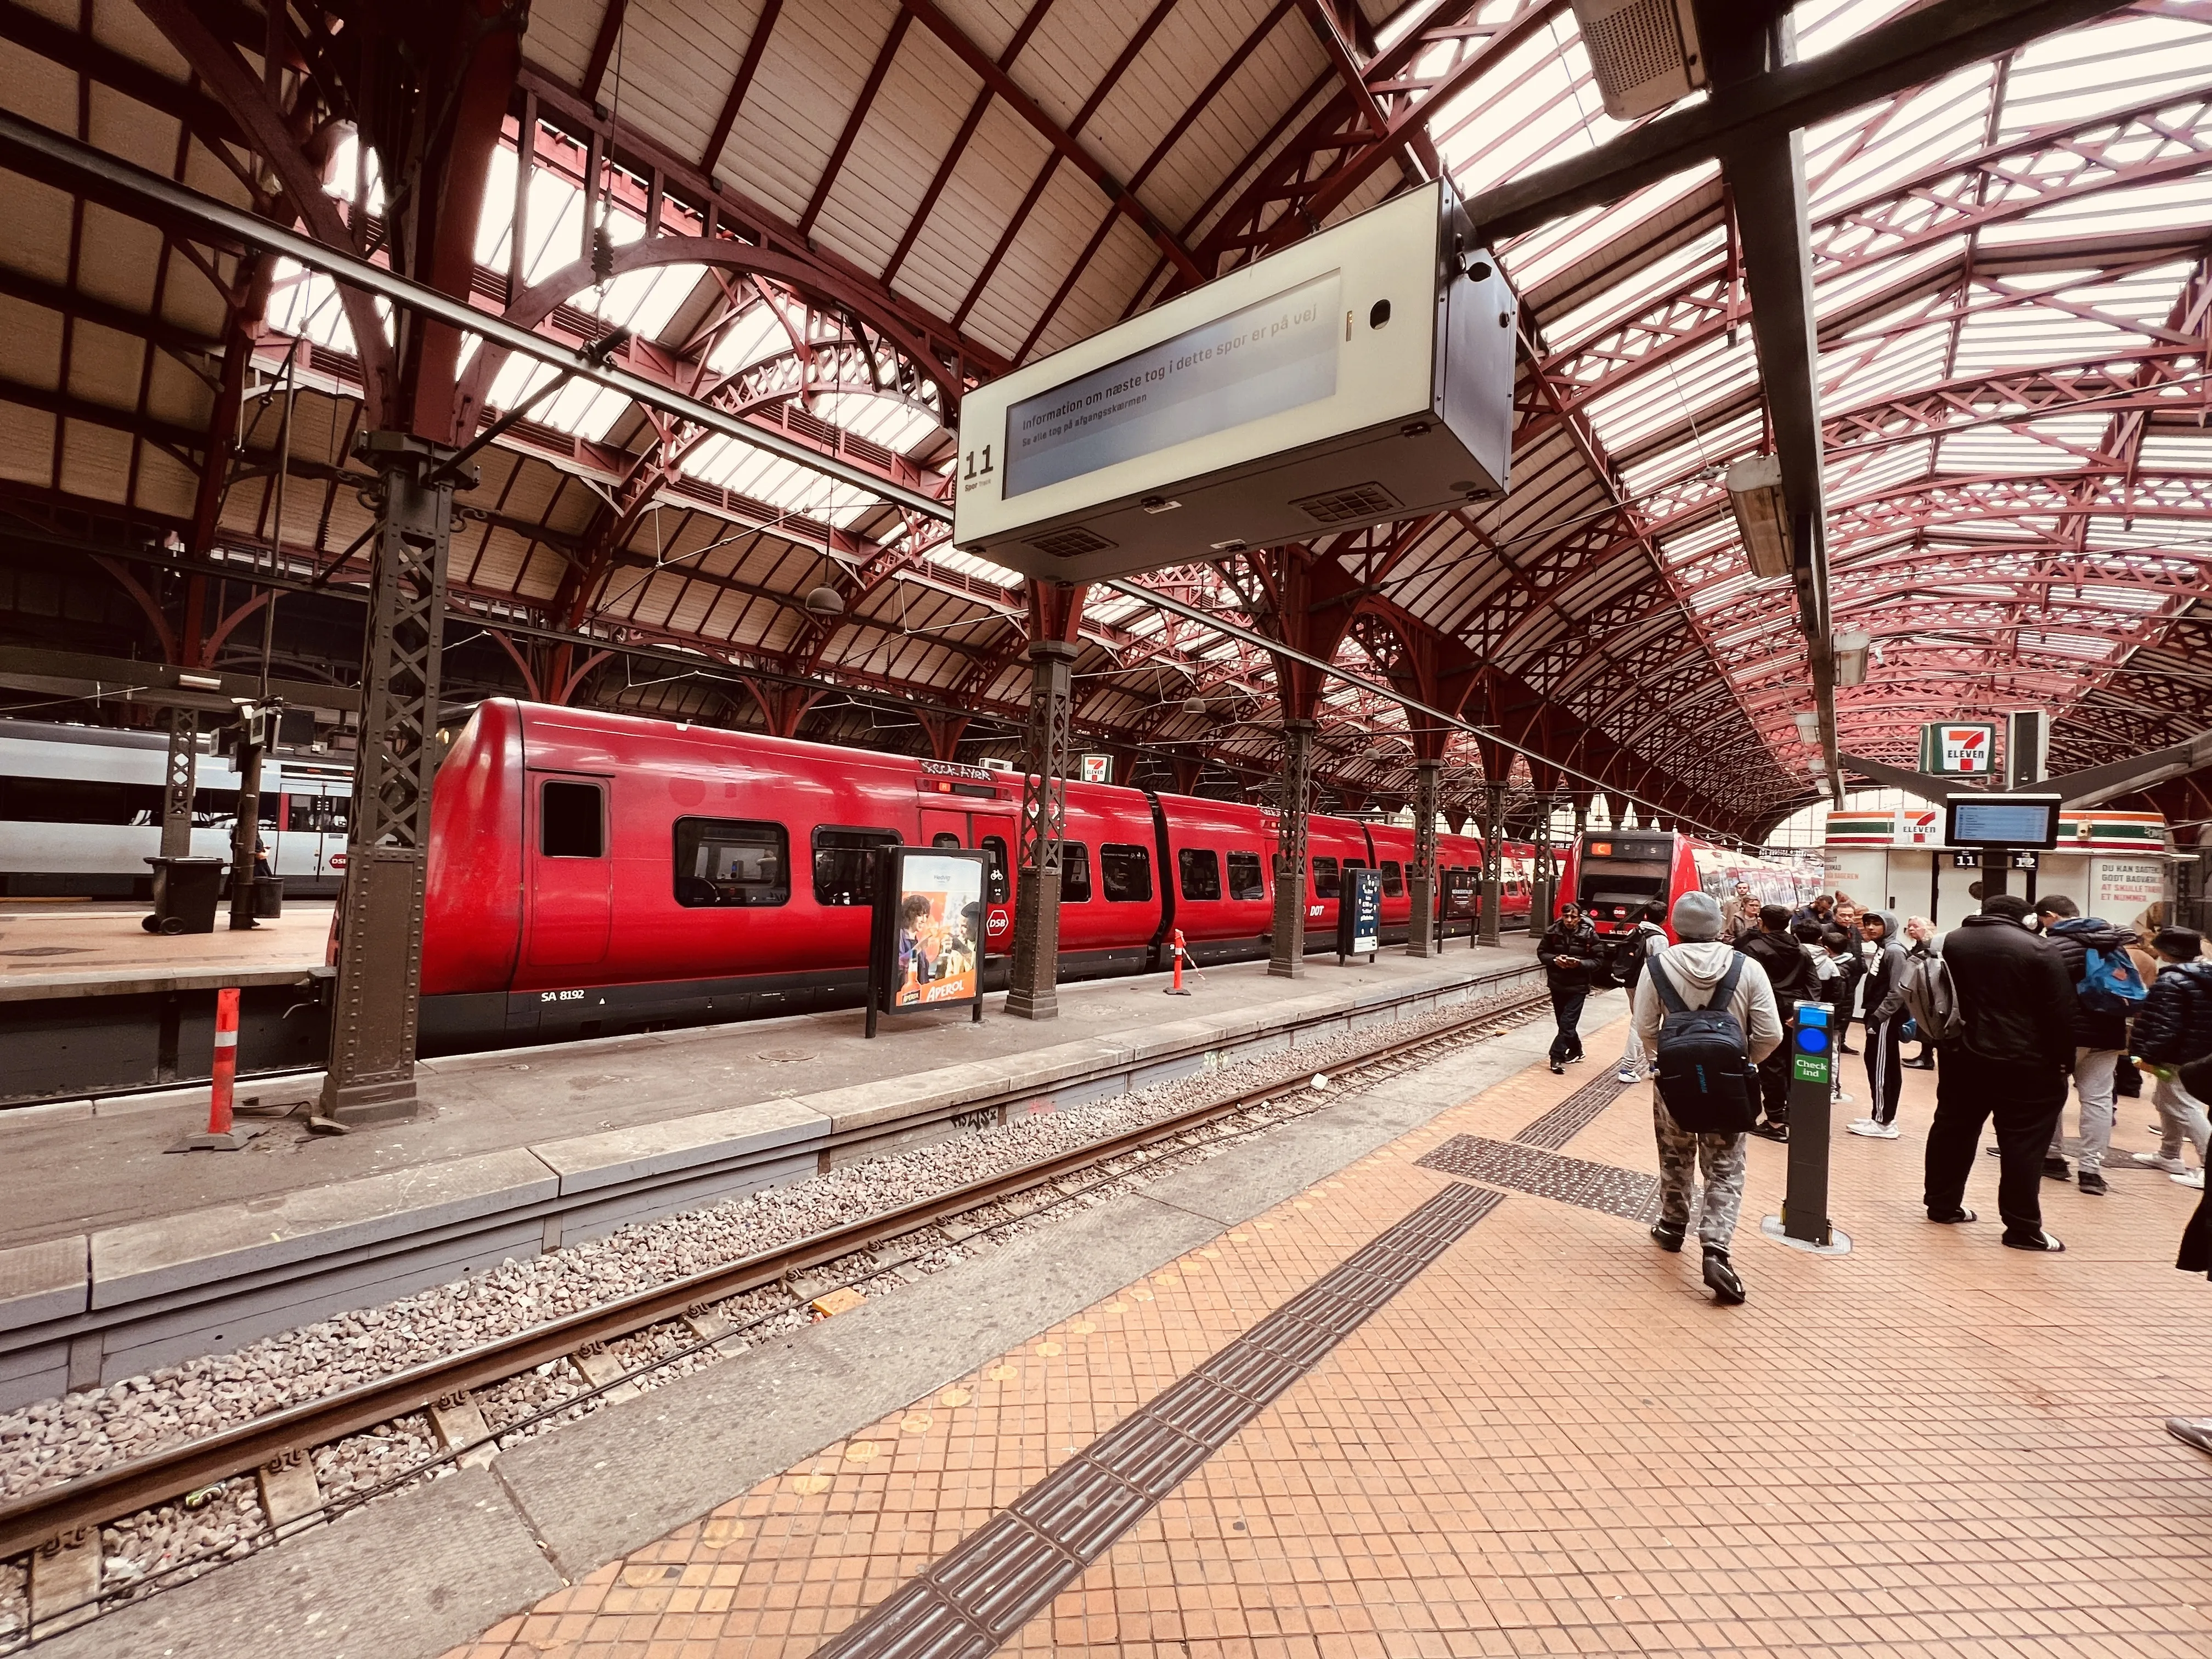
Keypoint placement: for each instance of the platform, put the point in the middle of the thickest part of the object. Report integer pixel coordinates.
(1517, 1428)
(69, 948)
(117, 1257)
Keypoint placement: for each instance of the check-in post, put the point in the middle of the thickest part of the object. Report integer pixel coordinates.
(1804, 1220)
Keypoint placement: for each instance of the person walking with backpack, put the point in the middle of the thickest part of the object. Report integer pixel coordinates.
(1921, 939)
(1885, 1016)
(1706, 1013)
(2173, 1029)
(1790, 978)
(2006, 1061)
(1569, 950)
(1630, 952)
(2107, 989)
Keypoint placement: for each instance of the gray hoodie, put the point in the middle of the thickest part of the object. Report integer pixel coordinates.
(1694, 970)
(1884, 996)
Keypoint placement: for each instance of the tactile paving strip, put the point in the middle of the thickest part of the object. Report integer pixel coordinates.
(1002, 1574)
(1573, 1115)
(1628, 1192)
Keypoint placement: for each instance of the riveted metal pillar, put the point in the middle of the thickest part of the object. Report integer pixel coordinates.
(1032, 991)
(245, 834)
(1493, 857)
(179, 778)
(371, 1061)
(1421, 880)
(1546, 902)
(1287, 955)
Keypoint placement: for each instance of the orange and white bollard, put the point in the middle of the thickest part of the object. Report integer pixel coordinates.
(225, 1089)
(1180, 956)
(222, 1135)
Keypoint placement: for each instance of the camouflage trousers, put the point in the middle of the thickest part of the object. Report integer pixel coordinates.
(1680, 1154)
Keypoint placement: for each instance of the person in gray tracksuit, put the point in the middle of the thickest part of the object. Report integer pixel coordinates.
(1695, 969)
(1885, 1022)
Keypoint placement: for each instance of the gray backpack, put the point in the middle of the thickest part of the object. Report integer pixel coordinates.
(1930, 997)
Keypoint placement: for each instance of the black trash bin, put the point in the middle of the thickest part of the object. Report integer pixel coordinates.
(268, 897)
(184, 894)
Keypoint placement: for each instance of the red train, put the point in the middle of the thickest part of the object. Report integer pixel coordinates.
(1612, 874)
(593, 872)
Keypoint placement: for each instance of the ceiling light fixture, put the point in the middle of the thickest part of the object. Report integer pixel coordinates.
(1809, 727)
(1754, 488)
(1850, 651)
(825, 601)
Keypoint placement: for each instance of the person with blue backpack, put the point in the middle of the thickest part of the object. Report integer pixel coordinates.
(2108, 989)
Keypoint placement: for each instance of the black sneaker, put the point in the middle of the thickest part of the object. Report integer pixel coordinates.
(1558, 1070)
(1770, 1131)
(1667, 1235)
(2055, 1168)
(1953, 1219)
(2044, 1242)
(1727, 1287)
(2092, 1182)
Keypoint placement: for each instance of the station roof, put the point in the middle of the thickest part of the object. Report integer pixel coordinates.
(2010, 287)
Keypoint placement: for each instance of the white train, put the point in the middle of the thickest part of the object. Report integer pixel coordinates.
(81, 812)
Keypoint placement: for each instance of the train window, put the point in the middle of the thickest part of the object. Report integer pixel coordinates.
(570, 824)
(1074, 872)
(944, 838)
(845, 864)
(1393, 879)
(1245, 881)
(731, 861)
(1125, 872)
(994, 870)
(1327, 881)
(1200, 869)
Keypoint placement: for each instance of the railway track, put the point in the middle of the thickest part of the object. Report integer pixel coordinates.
(55, 1533)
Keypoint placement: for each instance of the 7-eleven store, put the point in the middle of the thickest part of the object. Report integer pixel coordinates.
(2113, 865)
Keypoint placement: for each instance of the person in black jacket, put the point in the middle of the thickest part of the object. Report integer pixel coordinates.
(2007, 1064)
(1568, 948)
(2099, 1038)
(2173, 1028)
(1776, 949)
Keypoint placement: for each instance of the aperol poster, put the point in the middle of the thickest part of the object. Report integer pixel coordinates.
(939, 922)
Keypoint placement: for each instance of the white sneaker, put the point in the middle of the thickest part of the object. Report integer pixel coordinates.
(2159, 1161)
(2193, 1179)
(1884, 1131)
(1863, 1125)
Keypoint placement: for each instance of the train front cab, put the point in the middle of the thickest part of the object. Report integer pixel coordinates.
(1612, 874)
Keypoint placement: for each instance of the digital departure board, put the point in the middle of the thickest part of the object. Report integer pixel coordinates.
(2001, 820)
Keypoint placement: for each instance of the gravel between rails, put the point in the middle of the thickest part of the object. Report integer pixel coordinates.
(58, 1439)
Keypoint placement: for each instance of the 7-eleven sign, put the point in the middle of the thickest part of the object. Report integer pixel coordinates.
(1959, 749)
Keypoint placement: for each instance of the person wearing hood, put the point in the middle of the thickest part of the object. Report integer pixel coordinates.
(2173, 1028)
(1790, 980)
(1568, 948)
(1885, 1023)
(2100, 1039)
(1695, 969)
(1921, 939)
(2007, 1064)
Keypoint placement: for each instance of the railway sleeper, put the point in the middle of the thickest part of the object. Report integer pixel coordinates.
(65, 1583)
(457, 1420)
(291, 1497)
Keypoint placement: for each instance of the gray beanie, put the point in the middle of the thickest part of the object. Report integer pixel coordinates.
(1697, 917)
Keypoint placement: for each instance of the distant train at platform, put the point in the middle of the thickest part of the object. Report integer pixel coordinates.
(593, 872)
(1613, 874)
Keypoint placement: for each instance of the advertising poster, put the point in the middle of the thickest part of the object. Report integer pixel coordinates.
(937, 923)
(1359, 913)
(2123, 889)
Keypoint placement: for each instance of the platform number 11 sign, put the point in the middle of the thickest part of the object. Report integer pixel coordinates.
(1959, 749)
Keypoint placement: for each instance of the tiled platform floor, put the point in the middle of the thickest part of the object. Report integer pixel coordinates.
(1551, 1442)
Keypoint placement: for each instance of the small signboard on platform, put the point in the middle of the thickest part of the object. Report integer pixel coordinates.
(927, 951)
(1359, 914)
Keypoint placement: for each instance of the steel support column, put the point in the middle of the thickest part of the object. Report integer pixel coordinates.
(245, 834)
(1543, 902)
(1287, 955)
(179, 778)
(1493, 858)
(1032, 991)
(371, 1055)
(1421, 878)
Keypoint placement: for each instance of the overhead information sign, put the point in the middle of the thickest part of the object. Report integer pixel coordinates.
(1254, 362)
(1959, 749)
(1360, 376)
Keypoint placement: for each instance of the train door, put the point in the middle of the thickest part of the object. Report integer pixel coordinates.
(991, 833)
(571, 871)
